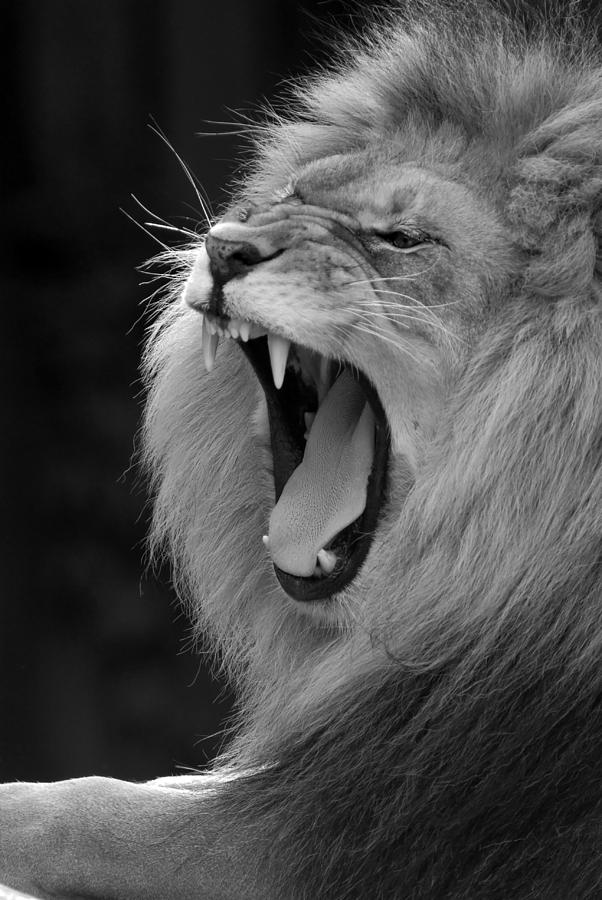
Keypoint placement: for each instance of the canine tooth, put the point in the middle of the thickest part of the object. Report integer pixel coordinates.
(244, 330)
(278, 347)
(266, 541)
(210, 325)
(210, 342)
(327, 560)
(234, 328)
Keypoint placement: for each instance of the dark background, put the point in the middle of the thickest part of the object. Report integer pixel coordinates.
(95, 676)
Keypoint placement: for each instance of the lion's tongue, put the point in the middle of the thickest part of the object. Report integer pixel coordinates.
(327, 491)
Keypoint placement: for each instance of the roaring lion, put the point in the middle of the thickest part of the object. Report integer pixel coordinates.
(375, 433)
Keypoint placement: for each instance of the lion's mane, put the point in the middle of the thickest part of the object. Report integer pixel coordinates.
(450, 744)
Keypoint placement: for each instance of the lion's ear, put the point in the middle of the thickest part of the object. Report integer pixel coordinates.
(555, 205)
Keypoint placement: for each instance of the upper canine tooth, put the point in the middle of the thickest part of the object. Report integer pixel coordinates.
(244, 330)
(278, 347)
(210, 342)
(233, 328)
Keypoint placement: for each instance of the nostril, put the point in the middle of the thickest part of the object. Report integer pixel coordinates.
(246, 255)
(228, 259)
(250, 256)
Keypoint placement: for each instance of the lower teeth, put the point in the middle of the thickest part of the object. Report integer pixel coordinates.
(325, 563)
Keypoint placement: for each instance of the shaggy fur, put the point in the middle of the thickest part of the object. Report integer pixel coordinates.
(442, 736)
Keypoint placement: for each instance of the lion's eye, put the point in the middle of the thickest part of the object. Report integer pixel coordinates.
(405, 240)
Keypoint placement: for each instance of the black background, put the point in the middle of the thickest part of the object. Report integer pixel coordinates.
(95, 674)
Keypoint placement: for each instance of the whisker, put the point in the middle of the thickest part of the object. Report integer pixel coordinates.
(239, 132)
(145, 230)
(157, 299)
(431, 322)
(369, 317)
(163, 227)
(408, 277)
(245, 126)
(398, 346)
(245, 120)
(391, 303)
(401, 319)
(397, 316)
(148, 211)
(197, 188)
(402, 295)
(414, 299)
(392, 308)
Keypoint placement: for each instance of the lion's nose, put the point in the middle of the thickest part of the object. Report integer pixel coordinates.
(230, 256)
(234, 249)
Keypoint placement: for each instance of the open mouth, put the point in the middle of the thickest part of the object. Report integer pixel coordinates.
(330, 446)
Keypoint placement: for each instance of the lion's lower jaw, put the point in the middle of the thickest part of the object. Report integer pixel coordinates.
(212, 508)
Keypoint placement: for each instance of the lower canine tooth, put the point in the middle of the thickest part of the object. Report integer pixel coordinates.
(210, 342)
(278, 347)
(266, 541)
(327, 560)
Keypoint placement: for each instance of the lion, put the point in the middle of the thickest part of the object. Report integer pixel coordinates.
(374, 431)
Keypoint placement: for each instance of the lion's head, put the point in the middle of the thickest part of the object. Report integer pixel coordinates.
(400, 322)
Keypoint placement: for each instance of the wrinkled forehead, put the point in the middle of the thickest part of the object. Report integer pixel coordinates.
(383, 184)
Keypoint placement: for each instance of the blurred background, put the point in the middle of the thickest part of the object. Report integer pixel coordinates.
(95, 674)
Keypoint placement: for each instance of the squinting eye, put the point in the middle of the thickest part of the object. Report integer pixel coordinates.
(405, 240)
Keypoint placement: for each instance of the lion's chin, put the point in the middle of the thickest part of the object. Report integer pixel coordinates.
(291, 406)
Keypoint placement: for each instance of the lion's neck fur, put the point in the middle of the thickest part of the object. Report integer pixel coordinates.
(212, 506)
(479, 724)
(517, 476)
(459, 707)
